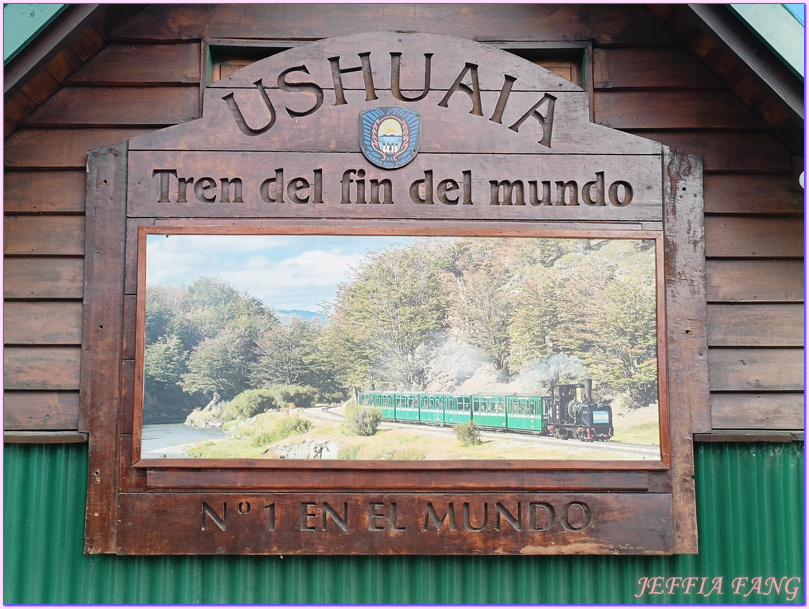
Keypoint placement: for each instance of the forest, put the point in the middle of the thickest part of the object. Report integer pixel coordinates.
(441, 314)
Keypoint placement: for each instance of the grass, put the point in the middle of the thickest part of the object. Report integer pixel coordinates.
(412, 443)
(646, 433)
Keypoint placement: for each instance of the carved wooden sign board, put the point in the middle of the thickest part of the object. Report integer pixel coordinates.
(450, 146)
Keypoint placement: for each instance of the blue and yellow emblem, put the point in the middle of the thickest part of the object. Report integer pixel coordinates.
(390, 137)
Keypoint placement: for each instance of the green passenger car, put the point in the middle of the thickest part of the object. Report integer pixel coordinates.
(458, 409)
(408, 407)
(525, 412)
(432, 408)
(489, 410)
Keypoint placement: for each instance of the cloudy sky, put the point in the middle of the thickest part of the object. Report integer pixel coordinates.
(284, 271)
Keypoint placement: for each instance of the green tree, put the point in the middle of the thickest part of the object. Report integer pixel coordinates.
(164, 360)
(219, 365)
(291, 354)
(480, 276)
(385, 318)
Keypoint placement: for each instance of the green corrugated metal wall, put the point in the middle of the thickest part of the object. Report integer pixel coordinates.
(750, 509)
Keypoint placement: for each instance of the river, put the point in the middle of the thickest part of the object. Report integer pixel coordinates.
(171, 440)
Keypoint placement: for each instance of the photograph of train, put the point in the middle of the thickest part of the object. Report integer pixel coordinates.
(399, 347)
(568, 412)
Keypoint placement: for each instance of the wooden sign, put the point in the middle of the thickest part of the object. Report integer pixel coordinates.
(392, 176)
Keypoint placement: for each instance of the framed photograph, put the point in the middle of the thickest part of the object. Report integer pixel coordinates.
(367, 347)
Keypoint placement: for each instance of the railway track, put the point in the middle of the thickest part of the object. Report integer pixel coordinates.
(640, 451)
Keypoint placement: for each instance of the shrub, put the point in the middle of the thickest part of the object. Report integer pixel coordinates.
(285, 428)
(468, 434)
(349, 452)
(249, 403)
(303, 396)
(361, 420)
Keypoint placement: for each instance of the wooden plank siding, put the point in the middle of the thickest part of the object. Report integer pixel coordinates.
(145, 75)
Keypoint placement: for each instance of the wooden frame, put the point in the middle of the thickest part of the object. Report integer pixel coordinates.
(141, 507)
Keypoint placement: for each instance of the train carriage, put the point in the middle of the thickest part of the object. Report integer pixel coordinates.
(525, 412)
(568, 412)
(432, 408)
(489, 410)
(458, 410)
(408, 407)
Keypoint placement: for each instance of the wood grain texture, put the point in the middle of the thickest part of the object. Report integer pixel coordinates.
(758, 325)
(86, 44)
(42, 323)
(114, 106)
(102, 341)
(728, 151)
(44, 191)
(41, 87)
(61, 148)
(757, 411)
(41, 410)
(44, 235)
(673, 110)
(17, 107)
(752, 194)
(161, 523)
(651, 68)
(41, 368)
(41, 278)
(63, 65)
(686, 374)
(602, 23)
(755, 370)
(753, 237)
(141, 64)
(755, 280)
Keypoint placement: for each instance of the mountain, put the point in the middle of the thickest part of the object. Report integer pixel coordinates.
(285, 316)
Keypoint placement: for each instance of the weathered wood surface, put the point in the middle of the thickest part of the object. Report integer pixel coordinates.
(303, 475)
(743, 325)
(42, 323)
(158, 106)
(144, 64)
(44, 235)
(752, 194)
(746, 237)
(757, 410)
(727, 151)
(40, 87)
(41, 368)
(44, 191)
(755, 370)
(61, 148)
(601, 23)
(755, 281)
(127, 414)
(684, 110)
(686, 335)
(320, 59)
(571, 134)
(329, 188)
(102, 340)
(651, 68)
(41, 278)
(300, 523)
(41, 410)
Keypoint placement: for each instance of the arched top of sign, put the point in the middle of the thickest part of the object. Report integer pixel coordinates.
(473, 99)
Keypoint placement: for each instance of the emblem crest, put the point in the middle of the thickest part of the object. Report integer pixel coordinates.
(390, 137)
